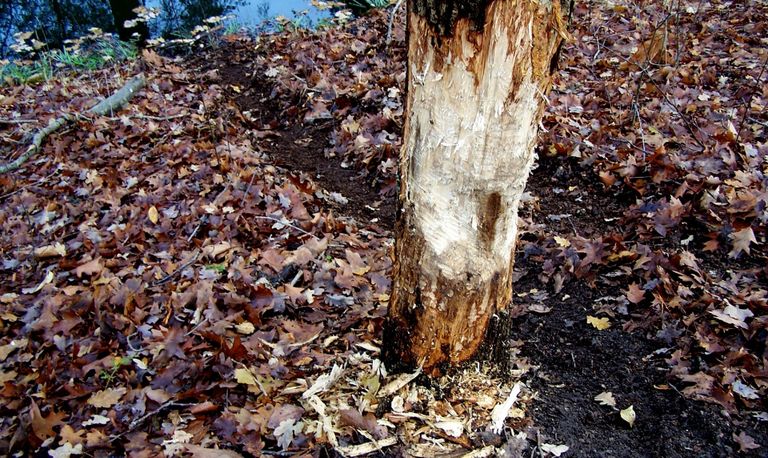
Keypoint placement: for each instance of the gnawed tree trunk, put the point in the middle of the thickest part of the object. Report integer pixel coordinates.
(478, 74)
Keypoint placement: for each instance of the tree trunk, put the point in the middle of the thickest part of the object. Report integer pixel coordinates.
(478, 74)
(122, 11)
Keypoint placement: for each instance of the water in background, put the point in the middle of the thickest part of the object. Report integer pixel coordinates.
(251, 14)
(54, 21)
(254, 12)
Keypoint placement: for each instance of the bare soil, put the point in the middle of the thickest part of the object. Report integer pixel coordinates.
(300, 148)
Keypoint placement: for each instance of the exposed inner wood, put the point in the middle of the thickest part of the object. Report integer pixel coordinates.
(475, 98)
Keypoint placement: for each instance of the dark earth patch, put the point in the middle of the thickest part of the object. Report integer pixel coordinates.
(571, 199)
(300, 147)
(576, 362)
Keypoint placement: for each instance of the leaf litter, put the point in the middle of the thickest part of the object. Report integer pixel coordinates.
(178, 267)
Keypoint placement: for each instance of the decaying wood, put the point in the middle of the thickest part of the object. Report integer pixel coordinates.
(478, 74)
(105, 107)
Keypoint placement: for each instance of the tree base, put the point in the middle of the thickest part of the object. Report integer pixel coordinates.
(495, 349)
(497, 345)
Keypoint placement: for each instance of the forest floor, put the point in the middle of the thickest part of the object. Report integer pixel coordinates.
(207, 271)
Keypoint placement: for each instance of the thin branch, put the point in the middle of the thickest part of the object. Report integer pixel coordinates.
(106, 106)
(17, 121)
(747, 103)
(29, 185)
(287, 224)
(688, 123)
(152, 118)
(762, 123)
(181, 268)
(392, 20)
(203, 222)
(140, 421)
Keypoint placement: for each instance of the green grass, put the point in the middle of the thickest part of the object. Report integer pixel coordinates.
(365, 5)
(232, 28)
(15, 73)
(79, 58)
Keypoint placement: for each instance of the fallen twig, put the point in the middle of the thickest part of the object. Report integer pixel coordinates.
(152, 118)
(287, 224)
(106, 106)
(203, 222)
(140, 420)
(392, 21)
(17, 121)
(29, 185)
(368, 447)
(168, 277)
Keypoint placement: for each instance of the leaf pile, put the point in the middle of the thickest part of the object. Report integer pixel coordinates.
(167, 289)
(680, 142)
(673, 139)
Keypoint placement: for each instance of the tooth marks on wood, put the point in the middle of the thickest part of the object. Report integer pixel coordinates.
(488, 214)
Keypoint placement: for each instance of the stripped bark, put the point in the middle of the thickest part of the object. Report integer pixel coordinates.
(478, 74)
(107, 106)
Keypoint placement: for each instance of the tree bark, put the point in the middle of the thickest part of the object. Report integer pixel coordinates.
(122, 11)
(478, 74)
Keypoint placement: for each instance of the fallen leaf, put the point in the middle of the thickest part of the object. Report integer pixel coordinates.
(7, 349)
(368, 423)
(68, 434)
(203, 407)
(107, 398)
(214, 251)
(286, 431)
(601, 324)
(746, 443)
(628, 415)
(152, 58)
(202, 452)
(539, 308)
(555, 450)
(48, 279)
(244, 376)
(635, 294)
(43, 426)
(741, 241)
(175, 444)
(562, 242)
(158, 395)
(744, 390)
(153, 215)
(356, 263)
(89, 268)
(733, 315)
(96, 420)
(7, 376)
(51, 251)
(66, 450)
(246, 327)
(324, 382)
(96, 439)
(606, 398)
